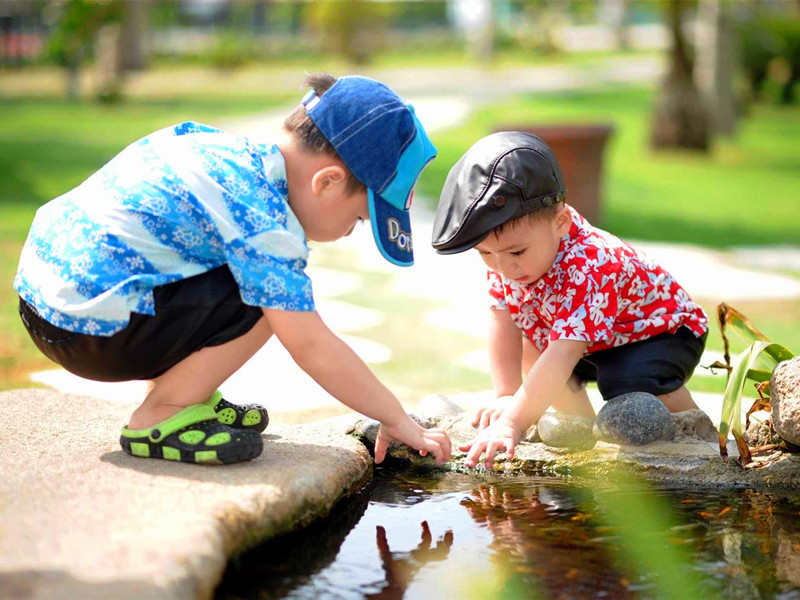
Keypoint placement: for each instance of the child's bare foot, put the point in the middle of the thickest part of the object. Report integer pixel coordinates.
(149, 414)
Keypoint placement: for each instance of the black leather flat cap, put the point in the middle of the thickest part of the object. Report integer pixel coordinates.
(501, 177)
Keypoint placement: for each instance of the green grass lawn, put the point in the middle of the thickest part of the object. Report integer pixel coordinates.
(744, 192)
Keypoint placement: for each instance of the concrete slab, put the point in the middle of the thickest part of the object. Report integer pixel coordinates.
(81, 519)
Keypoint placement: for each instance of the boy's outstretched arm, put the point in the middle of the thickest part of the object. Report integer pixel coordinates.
(332, 364)
(505, 365)
(542, 383)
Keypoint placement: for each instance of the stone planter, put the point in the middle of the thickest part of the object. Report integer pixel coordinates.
(579, 150)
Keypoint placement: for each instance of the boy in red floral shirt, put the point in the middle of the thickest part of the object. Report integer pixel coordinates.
(589, 306)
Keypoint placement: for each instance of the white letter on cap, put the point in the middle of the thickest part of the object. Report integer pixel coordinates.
(394, 229)
(401, 239)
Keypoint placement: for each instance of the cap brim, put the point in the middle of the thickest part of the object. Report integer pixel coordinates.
(391, 228)
(463, 247)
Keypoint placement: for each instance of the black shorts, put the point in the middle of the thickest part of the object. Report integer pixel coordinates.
(204, 310)
(658, 365)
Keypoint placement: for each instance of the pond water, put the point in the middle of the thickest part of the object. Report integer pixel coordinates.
(421, 535)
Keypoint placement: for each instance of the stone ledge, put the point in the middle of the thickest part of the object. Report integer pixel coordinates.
(683, 462)
(80, 518)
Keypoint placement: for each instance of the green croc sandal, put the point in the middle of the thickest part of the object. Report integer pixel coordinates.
(193, 435)
(248, 416)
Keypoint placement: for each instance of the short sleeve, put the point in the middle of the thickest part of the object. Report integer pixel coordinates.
(587, 308)
(267, 280)
(497, 294)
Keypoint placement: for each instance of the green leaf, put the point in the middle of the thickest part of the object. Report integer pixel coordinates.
(748, 365)
(759, 375)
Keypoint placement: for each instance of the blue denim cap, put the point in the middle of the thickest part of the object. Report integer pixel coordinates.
(380, 139)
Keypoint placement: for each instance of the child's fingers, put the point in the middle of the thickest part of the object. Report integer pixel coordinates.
(380, 448)
(491, 450)
(440, 435)
(466, 446)
(434, 448)
(475, 453)
(485, 417)
(510, 447)
(476, 419)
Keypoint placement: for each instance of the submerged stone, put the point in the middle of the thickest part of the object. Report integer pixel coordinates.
(785, 400)
(634, 419)
(561, 430)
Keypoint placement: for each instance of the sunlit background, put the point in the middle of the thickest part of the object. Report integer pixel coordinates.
(676, 121)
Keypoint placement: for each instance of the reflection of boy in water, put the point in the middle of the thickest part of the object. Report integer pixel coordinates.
(542, 539)
(401, 567)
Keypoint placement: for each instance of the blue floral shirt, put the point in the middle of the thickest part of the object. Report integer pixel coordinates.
(177, 203)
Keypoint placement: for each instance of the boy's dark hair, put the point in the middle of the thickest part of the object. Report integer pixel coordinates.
(308, 134)
(543, 214)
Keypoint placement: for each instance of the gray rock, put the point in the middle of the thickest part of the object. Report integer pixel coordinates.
(680, 462)
(785, 400)
(560, 430)
(695, 424)
(82, 519)
(436, 406)
(634, 419)
(367, 429)
(761, 434)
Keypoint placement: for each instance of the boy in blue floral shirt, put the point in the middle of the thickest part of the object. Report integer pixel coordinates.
(182, 256)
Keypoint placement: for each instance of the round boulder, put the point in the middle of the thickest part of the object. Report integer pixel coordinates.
(785, 400)
(436, 406)
(560, 430)
(634, 419)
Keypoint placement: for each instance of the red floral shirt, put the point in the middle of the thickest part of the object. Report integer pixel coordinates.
(599, 290)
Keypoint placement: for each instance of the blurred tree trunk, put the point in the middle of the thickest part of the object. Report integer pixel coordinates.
(134, 49)
(108, 81)
(259, 16)
(73, 82)
(717, 56)
(680, 118)
(616, 14)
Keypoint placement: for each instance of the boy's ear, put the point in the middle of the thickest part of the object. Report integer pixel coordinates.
(328, 179)
(563, 220)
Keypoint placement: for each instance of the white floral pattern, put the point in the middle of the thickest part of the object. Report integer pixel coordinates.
(599, 290)
(177, 203)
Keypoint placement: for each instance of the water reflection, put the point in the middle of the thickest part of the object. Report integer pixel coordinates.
(401, 567)
(413, 536)
(543, 542)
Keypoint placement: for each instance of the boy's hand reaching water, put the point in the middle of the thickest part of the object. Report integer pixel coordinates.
(434, 441)
(488, 414)
(501, 435)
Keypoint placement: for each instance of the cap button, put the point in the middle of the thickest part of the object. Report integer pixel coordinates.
(559, 197)
(499, 201)
(547, 201)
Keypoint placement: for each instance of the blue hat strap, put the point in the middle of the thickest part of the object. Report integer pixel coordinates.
(310, 100)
